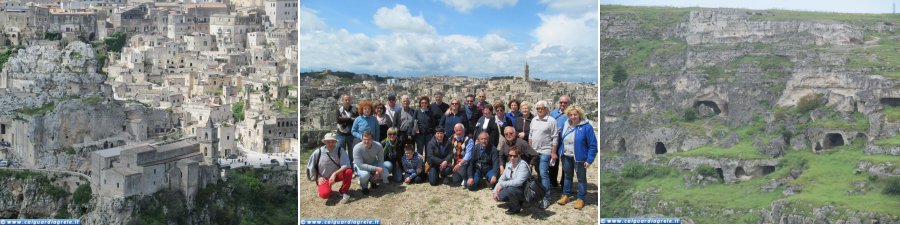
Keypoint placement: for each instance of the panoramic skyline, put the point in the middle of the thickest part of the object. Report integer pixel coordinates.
(452, 37)
(865, 6)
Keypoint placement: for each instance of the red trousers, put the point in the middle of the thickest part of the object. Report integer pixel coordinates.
(345, 178)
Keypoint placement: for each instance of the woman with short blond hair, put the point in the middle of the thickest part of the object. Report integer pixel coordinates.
(577, 150)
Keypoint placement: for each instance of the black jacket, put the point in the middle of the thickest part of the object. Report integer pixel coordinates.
(437, 111)
(344, 123)
(523, 124)
(423, 122)
(438, 152)
(490, 160)
(491, 129)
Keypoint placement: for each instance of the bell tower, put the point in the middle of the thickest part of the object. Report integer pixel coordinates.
(209, 142)
(526, 70)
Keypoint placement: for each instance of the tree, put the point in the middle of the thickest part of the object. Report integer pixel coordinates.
(619, 74)
(237, 111)
(116, 41)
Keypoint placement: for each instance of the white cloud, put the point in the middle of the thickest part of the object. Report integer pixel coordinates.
(569, 55)
(399, 19)
(309, 21)
(466, 5)
(566, 40)
(494, 42)
(572, 6)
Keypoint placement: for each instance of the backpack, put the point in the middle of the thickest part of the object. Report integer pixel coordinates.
(534, 191)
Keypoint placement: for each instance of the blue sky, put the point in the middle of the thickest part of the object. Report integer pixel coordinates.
(452, 37)
(844, 6)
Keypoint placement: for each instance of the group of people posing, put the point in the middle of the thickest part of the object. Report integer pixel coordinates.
(472, 144)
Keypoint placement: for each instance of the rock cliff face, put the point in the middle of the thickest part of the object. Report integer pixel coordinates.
(751, 95)
(30, 195)
(59, 108)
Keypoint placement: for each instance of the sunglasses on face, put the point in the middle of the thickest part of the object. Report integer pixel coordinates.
(563, 102)
(513, 156)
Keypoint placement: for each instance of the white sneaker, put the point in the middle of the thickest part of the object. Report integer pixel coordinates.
(345, 199)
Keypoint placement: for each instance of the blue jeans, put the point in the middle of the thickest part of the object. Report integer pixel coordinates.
(569, 164)
(396, 173)
(544, 171)
(476, 176)
(364, 176)
(422, 140)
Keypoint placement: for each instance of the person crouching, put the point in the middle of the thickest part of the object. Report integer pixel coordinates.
(412, 165)
(511, 185)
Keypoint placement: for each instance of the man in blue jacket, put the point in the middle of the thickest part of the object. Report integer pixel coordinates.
(559, 115)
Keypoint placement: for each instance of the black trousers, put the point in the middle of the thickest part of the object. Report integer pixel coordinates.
(435, 174)
(513, 195)
(402, 139)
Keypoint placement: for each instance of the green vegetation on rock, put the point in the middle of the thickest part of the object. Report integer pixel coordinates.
(245, 198)
(38, 110)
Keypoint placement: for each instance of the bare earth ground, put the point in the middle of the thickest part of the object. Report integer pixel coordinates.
(425, 204)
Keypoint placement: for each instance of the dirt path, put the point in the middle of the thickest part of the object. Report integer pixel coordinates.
(425, 204)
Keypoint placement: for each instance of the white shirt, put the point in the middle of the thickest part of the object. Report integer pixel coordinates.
(569, 142)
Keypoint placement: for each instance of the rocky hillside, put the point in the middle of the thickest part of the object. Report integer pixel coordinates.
(60, 108)
(731, 115)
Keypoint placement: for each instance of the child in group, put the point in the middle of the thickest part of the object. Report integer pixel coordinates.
(412, 165)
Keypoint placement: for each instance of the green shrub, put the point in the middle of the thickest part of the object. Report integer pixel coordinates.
(619, 74)
(82, 194)
(70, 150)
(809, 102)
(706, 171)
(689, 115)
(893, 186)
(634, 170)
(116, 41)
(637, 170)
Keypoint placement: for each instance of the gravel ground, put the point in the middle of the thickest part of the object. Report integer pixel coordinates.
(445, 204)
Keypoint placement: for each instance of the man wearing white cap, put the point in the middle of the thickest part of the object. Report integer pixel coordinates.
(331, 167)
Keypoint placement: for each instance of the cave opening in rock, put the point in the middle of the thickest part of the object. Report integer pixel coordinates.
(833, 140)
(739, 172)
(710, 104)
(721, 173)
(660, 148)
(766, 170)
(622, 145)
(893, 102)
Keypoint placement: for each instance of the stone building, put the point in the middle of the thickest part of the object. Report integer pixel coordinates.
(143, 169)
(281, 12)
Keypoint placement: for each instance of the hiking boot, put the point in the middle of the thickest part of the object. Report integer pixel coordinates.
(512, 211)
(374, 185)
(579, 204)
(563, 200)
(365, 191)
